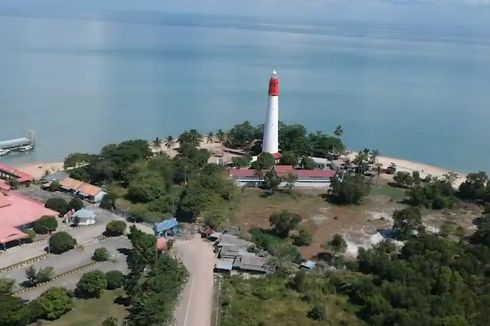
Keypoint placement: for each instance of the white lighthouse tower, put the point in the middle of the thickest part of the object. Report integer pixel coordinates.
(270, 143)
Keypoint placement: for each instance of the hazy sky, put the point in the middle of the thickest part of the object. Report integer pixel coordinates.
(470, 13)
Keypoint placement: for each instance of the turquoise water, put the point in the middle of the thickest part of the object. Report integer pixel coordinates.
(82, 80)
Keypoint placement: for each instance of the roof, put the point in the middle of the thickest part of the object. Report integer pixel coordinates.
(252, 263)
(20, 175)
(308, 264)
(165, 225)
(315, 173)
(162, 244)
(84, 213)
(21, 210)
(58, 176)
(224, 264)
(4, 186)
(232, 240)
(15, 142)
(9, 233)
(89, 190)
(4, 201)
(283, 170)
(70, 183)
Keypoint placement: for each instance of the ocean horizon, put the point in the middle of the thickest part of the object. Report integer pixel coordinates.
(85, 79)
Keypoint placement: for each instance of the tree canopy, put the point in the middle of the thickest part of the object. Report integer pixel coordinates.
(350, 189)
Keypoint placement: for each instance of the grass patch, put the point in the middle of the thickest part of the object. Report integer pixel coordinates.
(93, 311)
(396, 194)
(271, 301)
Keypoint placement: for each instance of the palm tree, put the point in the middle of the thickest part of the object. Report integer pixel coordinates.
(373, 155)
(221, 135)
(210, 137)
(157, 142)
(338, 131)
(169, 142)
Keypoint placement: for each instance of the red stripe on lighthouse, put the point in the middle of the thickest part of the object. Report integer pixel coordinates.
(274, 86)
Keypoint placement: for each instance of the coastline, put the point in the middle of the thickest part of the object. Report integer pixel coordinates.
(38, 170)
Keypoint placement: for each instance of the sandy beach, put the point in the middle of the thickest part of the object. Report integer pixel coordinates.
(411, 166)
(38, 170)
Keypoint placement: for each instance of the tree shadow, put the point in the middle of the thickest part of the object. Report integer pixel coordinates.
(123, 300)
(124, 251)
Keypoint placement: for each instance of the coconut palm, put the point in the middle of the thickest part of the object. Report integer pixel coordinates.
(210, 137)
(338, 131)
(220, 134)
(169, 142)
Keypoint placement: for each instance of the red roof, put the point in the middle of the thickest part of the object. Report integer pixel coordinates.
(283, 170)
(19, 210)
(9, 233)
(4, 186)
(21, 176)
(241, 173)
(315, 173)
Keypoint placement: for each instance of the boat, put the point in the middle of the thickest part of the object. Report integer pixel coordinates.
(4, 151)
(26, 148)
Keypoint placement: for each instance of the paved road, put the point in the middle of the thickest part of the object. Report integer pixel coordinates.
(196, 304)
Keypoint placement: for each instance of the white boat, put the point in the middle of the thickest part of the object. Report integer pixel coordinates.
(4, 151)
(26, 148)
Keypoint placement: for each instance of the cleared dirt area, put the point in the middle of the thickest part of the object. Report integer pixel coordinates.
(359, 224)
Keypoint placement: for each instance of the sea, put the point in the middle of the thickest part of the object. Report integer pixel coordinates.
(412, 82)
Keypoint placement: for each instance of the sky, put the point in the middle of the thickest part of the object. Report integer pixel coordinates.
(473, 13)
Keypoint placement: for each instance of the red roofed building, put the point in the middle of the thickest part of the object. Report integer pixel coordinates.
(10, 173)
(18, 212)
(306, 178)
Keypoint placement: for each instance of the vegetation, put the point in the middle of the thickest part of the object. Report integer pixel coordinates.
(303, 238)
(434, 194)
(271, 180)
(58, 204)
(45, 224)
(54, 185)
(406, 222)
(115, 228)
(337, 245)
(61, 242)
(101, 254)
(91, 285)
(350, 189)
(115, 279)
(265, 161)
(54, 303)
(476, 187)
(76, 204)
(35, 276)
(110, 321)
(14, 311)
(284, 222)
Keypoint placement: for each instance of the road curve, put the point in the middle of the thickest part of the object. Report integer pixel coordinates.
(196, 303)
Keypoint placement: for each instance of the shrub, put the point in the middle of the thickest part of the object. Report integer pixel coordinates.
(61, 242)
(110, 321)
(76, 204)
(55, 302)
(54, 186)
(101, 254)
(304, 238)
(115, 228)
(30, 233)
(115, 279)
(318, 312)
(91, 285)
(57, 204)
(45, 224)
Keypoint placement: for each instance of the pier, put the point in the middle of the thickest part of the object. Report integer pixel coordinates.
(22, 144)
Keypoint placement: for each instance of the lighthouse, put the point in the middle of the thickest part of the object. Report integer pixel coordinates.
(270, 142)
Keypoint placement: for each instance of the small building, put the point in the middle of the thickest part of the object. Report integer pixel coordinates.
(82, 189)
(84, 217)
(252, 264)
(224, 265)
(57, 176)
(8, 173)
(308, 265)
(165, 228)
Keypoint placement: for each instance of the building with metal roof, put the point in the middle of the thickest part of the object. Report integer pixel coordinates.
(165, 228)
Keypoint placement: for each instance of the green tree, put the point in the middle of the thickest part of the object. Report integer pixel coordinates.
(284, 222)
(221, 135)
(115, 279)
(61, 242)
(191, 138)
(79, 159)
(339, 131)
(265, 161)
(13, 312)
(289, 158)
(45, 224)
(307, 163)
(110, 321)
(303, 238)
(403, 179)
(108, 201)
(44, 274)
(350, 189)
(76, 204)
(146, 189)
(241, 161)
(101, 254)
(115, 228)
(242, 135)
(55, 302)
(292, 138)
(338, 245)
(271, 180)
(54, 185)
(474, 187)
(406, 221)
(31, 273)
(169, 142)
(91, 285)
(290, 181)
(58, 204)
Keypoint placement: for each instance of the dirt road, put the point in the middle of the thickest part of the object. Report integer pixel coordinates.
(196, 303)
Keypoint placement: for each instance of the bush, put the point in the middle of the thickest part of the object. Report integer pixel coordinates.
(61, 242)
(318, 312)
(30, 233)
(91, 285)
(304, 238)
(110, 321)
(76, 204)
(100, 254)
(45, 224)
(115, 228)
(115, 279)
(58, 204)
(55, 302)
(350, 189)
(54, 186)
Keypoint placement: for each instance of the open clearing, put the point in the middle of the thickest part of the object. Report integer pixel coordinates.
(357, 223)
(93, 311)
